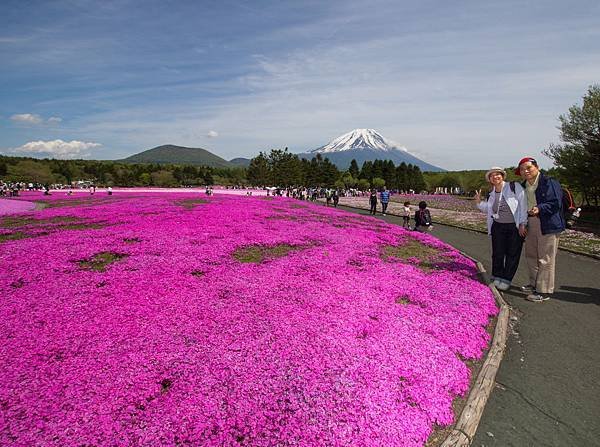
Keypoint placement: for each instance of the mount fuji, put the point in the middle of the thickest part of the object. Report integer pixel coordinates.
(366, 145)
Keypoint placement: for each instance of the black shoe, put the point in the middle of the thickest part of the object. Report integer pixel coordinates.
(527, 289)
(537, 298)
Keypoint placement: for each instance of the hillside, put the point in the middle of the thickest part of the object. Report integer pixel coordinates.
(171, 154)
(240, 161)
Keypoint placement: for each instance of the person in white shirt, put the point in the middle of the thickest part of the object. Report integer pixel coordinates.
(506, 209)
(406, 215)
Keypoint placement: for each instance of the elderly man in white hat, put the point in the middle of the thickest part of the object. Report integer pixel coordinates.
(506, 209)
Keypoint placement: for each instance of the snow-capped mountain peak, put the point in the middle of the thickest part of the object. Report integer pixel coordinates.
(359, 139)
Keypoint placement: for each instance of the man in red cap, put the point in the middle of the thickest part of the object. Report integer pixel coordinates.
(544, 224)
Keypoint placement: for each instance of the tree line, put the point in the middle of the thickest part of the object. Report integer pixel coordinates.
(278, 168)
(577, 158)
(284, 169)
(110, 173)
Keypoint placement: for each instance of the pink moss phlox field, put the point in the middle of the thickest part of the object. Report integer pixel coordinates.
(440, 201)
(178, 342)
(8, 206)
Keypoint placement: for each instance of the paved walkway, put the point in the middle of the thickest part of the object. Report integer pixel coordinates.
(548, 385)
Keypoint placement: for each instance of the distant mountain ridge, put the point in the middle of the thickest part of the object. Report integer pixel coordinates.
(366, 145)
(360, 144)
(240, 161)
(171, 154)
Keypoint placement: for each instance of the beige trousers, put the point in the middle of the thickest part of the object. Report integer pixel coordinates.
(540, 254)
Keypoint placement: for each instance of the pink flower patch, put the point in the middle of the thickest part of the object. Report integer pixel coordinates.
(177, 340)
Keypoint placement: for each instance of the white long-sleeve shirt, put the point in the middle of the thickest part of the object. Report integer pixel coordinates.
(517, 202)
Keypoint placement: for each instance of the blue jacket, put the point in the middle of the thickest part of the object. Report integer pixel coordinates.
(385, 196)
(548, 196)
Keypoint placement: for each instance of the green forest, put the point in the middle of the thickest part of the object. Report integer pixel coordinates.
(278, 168)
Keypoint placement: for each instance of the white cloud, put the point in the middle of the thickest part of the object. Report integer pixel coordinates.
(34, 119)
(28, 118)
(212, 134)
(57, 148)
(9, 40)
(458, 99)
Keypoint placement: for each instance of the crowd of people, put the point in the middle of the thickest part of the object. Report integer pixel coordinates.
(13, 189)
(518, 214)
(528, 213)
(422, 216)
(331, 195)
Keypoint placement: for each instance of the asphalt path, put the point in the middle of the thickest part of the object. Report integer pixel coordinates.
(547, 389)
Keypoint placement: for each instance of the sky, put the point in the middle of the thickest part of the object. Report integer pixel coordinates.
(461, 84)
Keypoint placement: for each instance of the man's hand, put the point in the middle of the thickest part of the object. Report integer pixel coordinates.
(522, 230)
(534, 211)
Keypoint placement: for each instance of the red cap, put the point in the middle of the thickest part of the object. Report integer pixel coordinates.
(525, 160)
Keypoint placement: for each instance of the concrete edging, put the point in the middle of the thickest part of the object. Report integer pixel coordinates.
(466, 426)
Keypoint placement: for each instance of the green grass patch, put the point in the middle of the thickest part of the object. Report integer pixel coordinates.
(81, 201)
(18, 283)
(74, 202)
(47, 226)
(101, 260)
(28, 221)
(190, 203)
(60, 220)
(132, 240)
(409, 249)
(429, 258)
(165, 385)
(402, 300)
(282, 217)
(260, 253)
(81, 226)
(355, 263)
(15, 222)
(14, 236)
(46, 230)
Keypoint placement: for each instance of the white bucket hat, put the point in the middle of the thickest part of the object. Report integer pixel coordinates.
(495, 169)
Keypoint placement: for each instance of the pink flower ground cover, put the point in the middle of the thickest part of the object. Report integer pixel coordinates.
(440, 201)
(228, 321)
(11, 206)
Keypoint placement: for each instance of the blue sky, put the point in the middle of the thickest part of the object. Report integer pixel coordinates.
(462, 84)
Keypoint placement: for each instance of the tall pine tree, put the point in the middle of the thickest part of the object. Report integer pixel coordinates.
(259, 171)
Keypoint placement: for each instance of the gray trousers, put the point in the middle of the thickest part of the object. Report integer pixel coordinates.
(540, 254)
